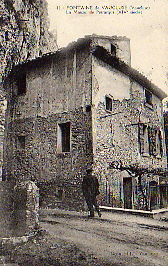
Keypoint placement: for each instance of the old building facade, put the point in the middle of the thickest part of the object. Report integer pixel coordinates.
(85, 106)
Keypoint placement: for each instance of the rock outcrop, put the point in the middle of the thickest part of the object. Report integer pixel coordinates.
(24, 35)
(24, 32)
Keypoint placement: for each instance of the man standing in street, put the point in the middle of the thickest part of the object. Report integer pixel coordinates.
(90, 188)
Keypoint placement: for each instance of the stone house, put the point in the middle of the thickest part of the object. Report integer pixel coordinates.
(84, 105)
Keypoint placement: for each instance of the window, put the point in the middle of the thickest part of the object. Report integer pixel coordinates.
(150, 140)
(63, 141)
(59, 192)
(113, 50)
(4, 174)
(20, 142)
(7, 36)
(21, 84)
(148, 97)
(108, 101)
(88, 108)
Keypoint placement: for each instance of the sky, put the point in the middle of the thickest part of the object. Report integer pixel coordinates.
(145, 22)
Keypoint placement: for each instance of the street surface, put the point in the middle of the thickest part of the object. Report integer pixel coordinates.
(118, 239)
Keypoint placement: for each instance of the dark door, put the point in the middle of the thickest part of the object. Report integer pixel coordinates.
(163, 196)
(127, 188)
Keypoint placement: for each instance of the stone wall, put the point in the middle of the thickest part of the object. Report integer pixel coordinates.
(116, 133)
(61, 84)
(40, 161)
(58, 91)
(108, 81)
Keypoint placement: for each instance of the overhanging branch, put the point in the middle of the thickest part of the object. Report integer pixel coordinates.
(138, 170)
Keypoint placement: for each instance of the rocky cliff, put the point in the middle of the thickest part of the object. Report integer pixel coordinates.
(24, 31)
(24, 35)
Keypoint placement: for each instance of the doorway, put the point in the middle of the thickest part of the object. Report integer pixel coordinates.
(127, 189)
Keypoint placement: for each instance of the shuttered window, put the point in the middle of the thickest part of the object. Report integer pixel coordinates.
(150, 140)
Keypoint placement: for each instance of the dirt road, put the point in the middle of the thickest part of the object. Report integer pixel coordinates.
(118, 239)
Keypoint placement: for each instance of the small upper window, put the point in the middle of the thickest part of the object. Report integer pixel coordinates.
(148, 97)
(59, 192)
(108, 103)
(88, 108)
(21, 84)
(113, 50)
(7, 36)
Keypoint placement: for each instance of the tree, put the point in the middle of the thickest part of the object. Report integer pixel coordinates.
(135, 170)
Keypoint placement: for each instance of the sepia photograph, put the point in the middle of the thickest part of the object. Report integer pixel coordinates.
(83, 133)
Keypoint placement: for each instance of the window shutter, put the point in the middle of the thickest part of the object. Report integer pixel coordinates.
(161, 143)
(152, 140)
(141, 137)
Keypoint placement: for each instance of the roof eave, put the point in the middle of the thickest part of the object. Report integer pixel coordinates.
(76, 45)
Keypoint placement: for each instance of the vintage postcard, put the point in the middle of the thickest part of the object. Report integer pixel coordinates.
(83, 132)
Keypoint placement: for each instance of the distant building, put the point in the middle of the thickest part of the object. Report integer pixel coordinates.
(81, 106)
